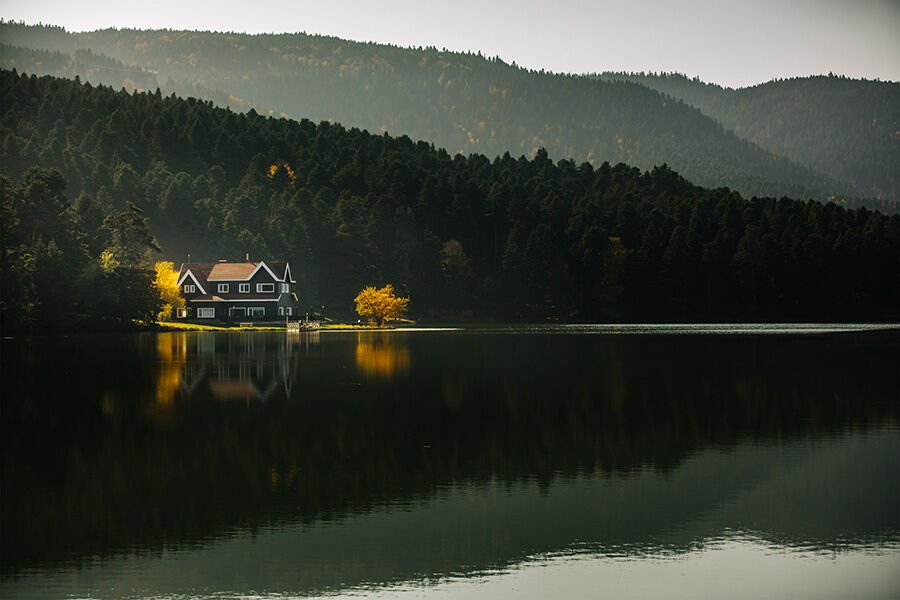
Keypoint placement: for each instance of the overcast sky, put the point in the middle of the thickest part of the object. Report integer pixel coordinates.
(724, 41)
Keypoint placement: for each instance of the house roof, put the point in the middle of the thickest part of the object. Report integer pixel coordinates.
(222, 271)
(232, 271)
(278, 268)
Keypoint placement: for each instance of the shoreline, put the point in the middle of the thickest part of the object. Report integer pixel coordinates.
(625, 329)
(169, 326)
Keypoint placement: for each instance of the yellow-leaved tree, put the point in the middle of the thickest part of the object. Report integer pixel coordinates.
(380, 305)
(166, 283)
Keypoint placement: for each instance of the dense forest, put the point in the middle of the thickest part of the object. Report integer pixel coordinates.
(85, 168)
(463, 102)
(845, 127)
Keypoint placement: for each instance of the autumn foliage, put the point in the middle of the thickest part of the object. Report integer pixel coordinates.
(281, 166)
(166, 282)
(380, 305)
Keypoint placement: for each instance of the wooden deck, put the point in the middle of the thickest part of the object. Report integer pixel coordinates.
(298, 326)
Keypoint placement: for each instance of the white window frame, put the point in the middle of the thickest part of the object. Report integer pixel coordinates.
(256, 311)
(233, 311)
(180, 313)
(208, 312)
(280, 311)
(190, 288)
(223, 288)
(260, 288)
(285, 288)
(289, 311)
(244, 288)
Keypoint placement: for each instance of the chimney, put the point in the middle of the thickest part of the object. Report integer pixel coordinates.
(247, 257)
(189, 258)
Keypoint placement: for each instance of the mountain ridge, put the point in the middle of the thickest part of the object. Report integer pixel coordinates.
(785, 116)
(461, 101)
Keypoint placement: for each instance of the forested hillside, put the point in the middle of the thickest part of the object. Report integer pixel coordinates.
(99, 69)
(83, 167)
(849, 128)
(462, 102)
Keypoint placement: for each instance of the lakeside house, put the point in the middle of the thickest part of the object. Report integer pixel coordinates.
(237, 292)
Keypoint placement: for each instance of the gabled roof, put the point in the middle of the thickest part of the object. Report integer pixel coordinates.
(282, 271)
(205, 272)
(189, 274)
(263, 265)
(196, 271)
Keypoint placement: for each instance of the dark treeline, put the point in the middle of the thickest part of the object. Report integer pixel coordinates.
(463, 102)
(70, 265)
(837, 125)
(512, 238)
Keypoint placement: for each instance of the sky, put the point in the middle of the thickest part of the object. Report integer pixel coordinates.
(722, 41)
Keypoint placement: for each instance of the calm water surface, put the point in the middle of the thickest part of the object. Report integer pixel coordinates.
(644, 461)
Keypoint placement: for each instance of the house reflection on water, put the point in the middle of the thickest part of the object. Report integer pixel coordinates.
(253, 367)
(228, 367)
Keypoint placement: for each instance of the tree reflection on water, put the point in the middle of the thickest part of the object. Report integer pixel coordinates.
(381, 354)
(170, 440)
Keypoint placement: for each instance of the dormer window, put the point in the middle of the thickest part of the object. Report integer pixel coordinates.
(190, 289)
(263, 288)
(244, 288)
(223, 288)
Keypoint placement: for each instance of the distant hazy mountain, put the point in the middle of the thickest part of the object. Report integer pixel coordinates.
(463, 102)
(848, 128)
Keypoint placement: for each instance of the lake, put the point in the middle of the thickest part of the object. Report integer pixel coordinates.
(484, 462)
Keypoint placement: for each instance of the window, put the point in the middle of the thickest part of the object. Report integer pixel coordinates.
(280, 311)
(190, 289)
(256, 311)
(206, 313)
(180, 313)
(288, 311)
(265, 287)
(237, 311)
(223, 288)
(244, 288)
(285, 288)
